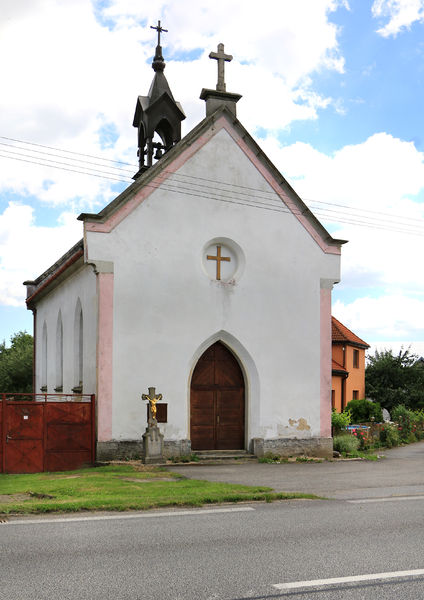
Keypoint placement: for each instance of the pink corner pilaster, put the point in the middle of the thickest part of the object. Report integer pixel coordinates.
(325, 383)
(104, 356)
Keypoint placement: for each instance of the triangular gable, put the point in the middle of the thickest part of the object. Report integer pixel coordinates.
(107, 219)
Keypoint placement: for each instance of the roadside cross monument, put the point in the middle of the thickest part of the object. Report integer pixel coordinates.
(152, 437)
(152, 398)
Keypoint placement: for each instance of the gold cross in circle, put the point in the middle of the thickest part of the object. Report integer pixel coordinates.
(218, 259)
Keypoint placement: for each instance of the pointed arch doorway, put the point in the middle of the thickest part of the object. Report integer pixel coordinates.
(217, 393)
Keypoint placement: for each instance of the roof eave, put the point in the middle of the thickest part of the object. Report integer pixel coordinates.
(55, 274)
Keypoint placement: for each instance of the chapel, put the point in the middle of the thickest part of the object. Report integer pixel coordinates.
(209, 279)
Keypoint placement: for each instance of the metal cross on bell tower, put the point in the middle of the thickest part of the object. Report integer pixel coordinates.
(159, 29)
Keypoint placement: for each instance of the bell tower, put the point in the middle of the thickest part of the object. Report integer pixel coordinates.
(157, 116)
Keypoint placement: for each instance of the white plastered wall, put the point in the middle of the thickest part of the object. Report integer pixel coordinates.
(166, 307)
(64, 298)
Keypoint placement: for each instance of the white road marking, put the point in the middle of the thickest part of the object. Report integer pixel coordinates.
(390, 499)
(352, 579)
(176, 513)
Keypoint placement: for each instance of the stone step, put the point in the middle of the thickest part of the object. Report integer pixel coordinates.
(223, 455)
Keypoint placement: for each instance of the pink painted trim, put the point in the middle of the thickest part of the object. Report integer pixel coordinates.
(221, 123)
(104, 356)
(325, 378)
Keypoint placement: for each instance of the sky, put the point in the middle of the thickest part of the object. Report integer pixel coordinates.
(332, 91)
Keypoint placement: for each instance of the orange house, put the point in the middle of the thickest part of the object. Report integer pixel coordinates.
(348, 366)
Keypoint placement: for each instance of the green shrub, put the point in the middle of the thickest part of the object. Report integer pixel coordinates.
(362, 411)
(389, 436)
(270, 457)
(340, 420)
(345, 443)
(407, 421)
(362, 438)
(419, 415)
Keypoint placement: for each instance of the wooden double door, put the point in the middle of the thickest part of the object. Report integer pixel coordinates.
(217, 410)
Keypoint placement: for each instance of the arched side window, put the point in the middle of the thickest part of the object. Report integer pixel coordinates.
(43, 387)
(59, 354)
(78, 349)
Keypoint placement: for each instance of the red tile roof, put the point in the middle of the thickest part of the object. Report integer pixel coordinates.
(335, 366)
(341, 334)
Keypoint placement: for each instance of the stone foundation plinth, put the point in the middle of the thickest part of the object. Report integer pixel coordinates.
(285, 447)
(177, 448)
(133, 449)
(119, 450)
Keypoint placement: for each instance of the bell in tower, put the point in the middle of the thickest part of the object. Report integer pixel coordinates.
(157, 116)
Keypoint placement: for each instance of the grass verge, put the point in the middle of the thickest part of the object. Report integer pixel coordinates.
(364, 454)
(120, 487)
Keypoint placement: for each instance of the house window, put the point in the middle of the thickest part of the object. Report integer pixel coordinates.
(333, 398)
(356, 359)
(355, 395)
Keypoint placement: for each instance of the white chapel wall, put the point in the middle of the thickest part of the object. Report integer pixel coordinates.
(166, 304)
(61, 305)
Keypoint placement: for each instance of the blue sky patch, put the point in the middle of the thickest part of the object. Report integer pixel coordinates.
(108, 134)
(98, 7)
(14, 319)
(184, 55)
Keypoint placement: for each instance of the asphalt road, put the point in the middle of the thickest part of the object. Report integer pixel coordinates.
(400, 472)
(237, 552)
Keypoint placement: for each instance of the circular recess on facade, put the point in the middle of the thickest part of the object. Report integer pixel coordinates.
(223, 260)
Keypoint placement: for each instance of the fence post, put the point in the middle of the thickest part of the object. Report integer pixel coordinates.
(93, 428)
(3, 432)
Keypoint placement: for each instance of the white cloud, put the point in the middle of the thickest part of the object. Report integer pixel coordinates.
(377, 183)
(72, 68)
(389, 317)
(401, 14)
(396, 347)
(68, 71)
(27, 249)
(366, 175)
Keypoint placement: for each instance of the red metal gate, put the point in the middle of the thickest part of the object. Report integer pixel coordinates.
(46, 432)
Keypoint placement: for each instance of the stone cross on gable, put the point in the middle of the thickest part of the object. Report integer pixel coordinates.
(159, 29)
(222, 58)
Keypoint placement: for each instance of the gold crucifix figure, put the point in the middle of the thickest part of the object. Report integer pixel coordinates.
(218, 259)
(152, 398)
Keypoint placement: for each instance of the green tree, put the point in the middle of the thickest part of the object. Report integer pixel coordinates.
(16, 363)
(395, 379)
(362, 411)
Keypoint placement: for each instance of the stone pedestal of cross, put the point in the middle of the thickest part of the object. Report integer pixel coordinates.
(220, 97)
(152, 437)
